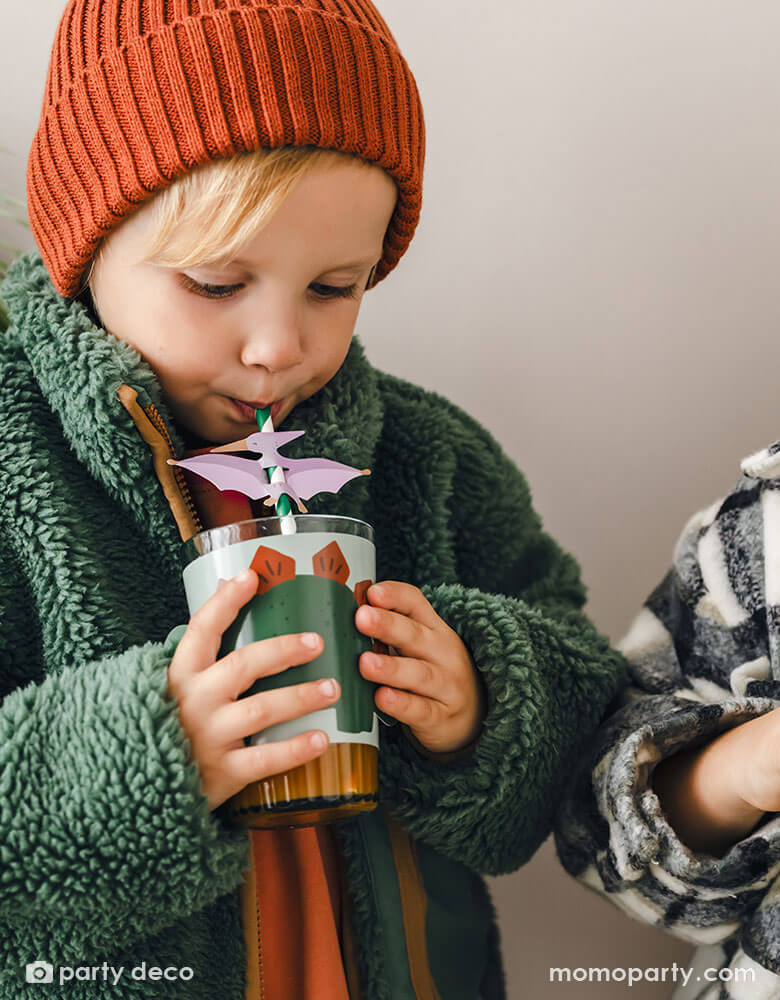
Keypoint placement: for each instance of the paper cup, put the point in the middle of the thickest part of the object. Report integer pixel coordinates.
(312, 580)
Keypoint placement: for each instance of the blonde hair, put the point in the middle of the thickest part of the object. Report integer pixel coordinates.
(225, 203)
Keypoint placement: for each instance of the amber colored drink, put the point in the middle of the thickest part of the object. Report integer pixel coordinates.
(338, 785)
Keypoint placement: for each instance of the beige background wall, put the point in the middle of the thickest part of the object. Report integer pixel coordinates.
(594, 278)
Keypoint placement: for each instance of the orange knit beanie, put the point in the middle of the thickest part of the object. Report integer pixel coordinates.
(138, 92)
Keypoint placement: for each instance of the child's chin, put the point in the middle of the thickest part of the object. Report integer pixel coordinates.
(193, 440)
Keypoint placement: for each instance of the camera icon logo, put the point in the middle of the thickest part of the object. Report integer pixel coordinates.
(39, 972)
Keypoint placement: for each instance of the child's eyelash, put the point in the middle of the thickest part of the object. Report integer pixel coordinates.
(336, 291)
(323, 292)
(208, 291)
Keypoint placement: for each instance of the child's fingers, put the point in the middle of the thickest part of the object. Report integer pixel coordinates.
(416, 676)
(414, 710)
(393, 629)
(235, 673)
(250, 715)
(249, 764)
(406, 599)
(199, 646)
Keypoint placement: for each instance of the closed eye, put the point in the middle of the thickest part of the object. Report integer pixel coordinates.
(209, 291)
(334, 291)
(321, 292)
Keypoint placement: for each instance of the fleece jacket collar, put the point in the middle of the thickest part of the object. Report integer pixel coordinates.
(79, 367)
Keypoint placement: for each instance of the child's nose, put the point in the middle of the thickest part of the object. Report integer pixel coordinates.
(273, 344)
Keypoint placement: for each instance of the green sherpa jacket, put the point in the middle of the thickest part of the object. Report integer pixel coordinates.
(108, 851)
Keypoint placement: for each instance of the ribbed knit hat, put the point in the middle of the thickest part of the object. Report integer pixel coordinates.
(138, 92)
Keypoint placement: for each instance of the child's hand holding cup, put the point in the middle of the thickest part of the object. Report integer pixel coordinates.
(214, 717)
(255, 695)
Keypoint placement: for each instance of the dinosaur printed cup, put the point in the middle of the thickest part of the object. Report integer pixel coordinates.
(311, 580)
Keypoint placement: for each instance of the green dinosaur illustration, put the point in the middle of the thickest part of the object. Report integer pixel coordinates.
(312, 604)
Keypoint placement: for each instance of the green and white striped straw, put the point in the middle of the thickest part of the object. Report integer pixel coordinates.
(276, 475)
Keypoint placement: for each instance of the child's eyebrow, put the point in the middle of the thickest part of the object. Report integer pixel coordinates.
(368, 261)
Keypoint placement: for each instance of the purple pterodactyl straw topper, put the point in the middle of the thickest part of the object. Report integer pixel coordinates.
(303, 477)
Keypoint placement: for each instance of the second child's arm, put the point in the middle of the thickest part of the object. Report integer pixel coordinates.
(670, 810)
(715, 795)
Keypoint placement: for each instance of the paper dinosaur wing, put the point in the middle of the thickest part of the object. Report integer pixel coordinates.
(267, 444)
(319, 475)
(228, 472)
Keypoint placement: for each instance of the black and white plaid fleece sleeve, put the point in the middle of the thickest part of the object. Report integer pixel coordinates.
(703, 658)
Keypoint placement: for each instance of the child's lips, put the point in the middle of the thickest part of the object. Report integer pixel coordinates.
(248, 411)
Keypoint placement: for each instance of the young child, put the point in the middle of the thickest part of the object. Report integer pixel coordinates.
(673, 813)
(212, 187)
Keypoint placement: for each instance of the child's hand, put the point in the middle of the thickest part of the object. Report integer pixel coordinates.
(713, 795)
(431, 685)
(211, 713)
(758, 761)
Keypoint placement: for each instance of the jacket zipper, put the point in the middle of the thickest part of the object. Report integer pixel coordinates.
(156, 418)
